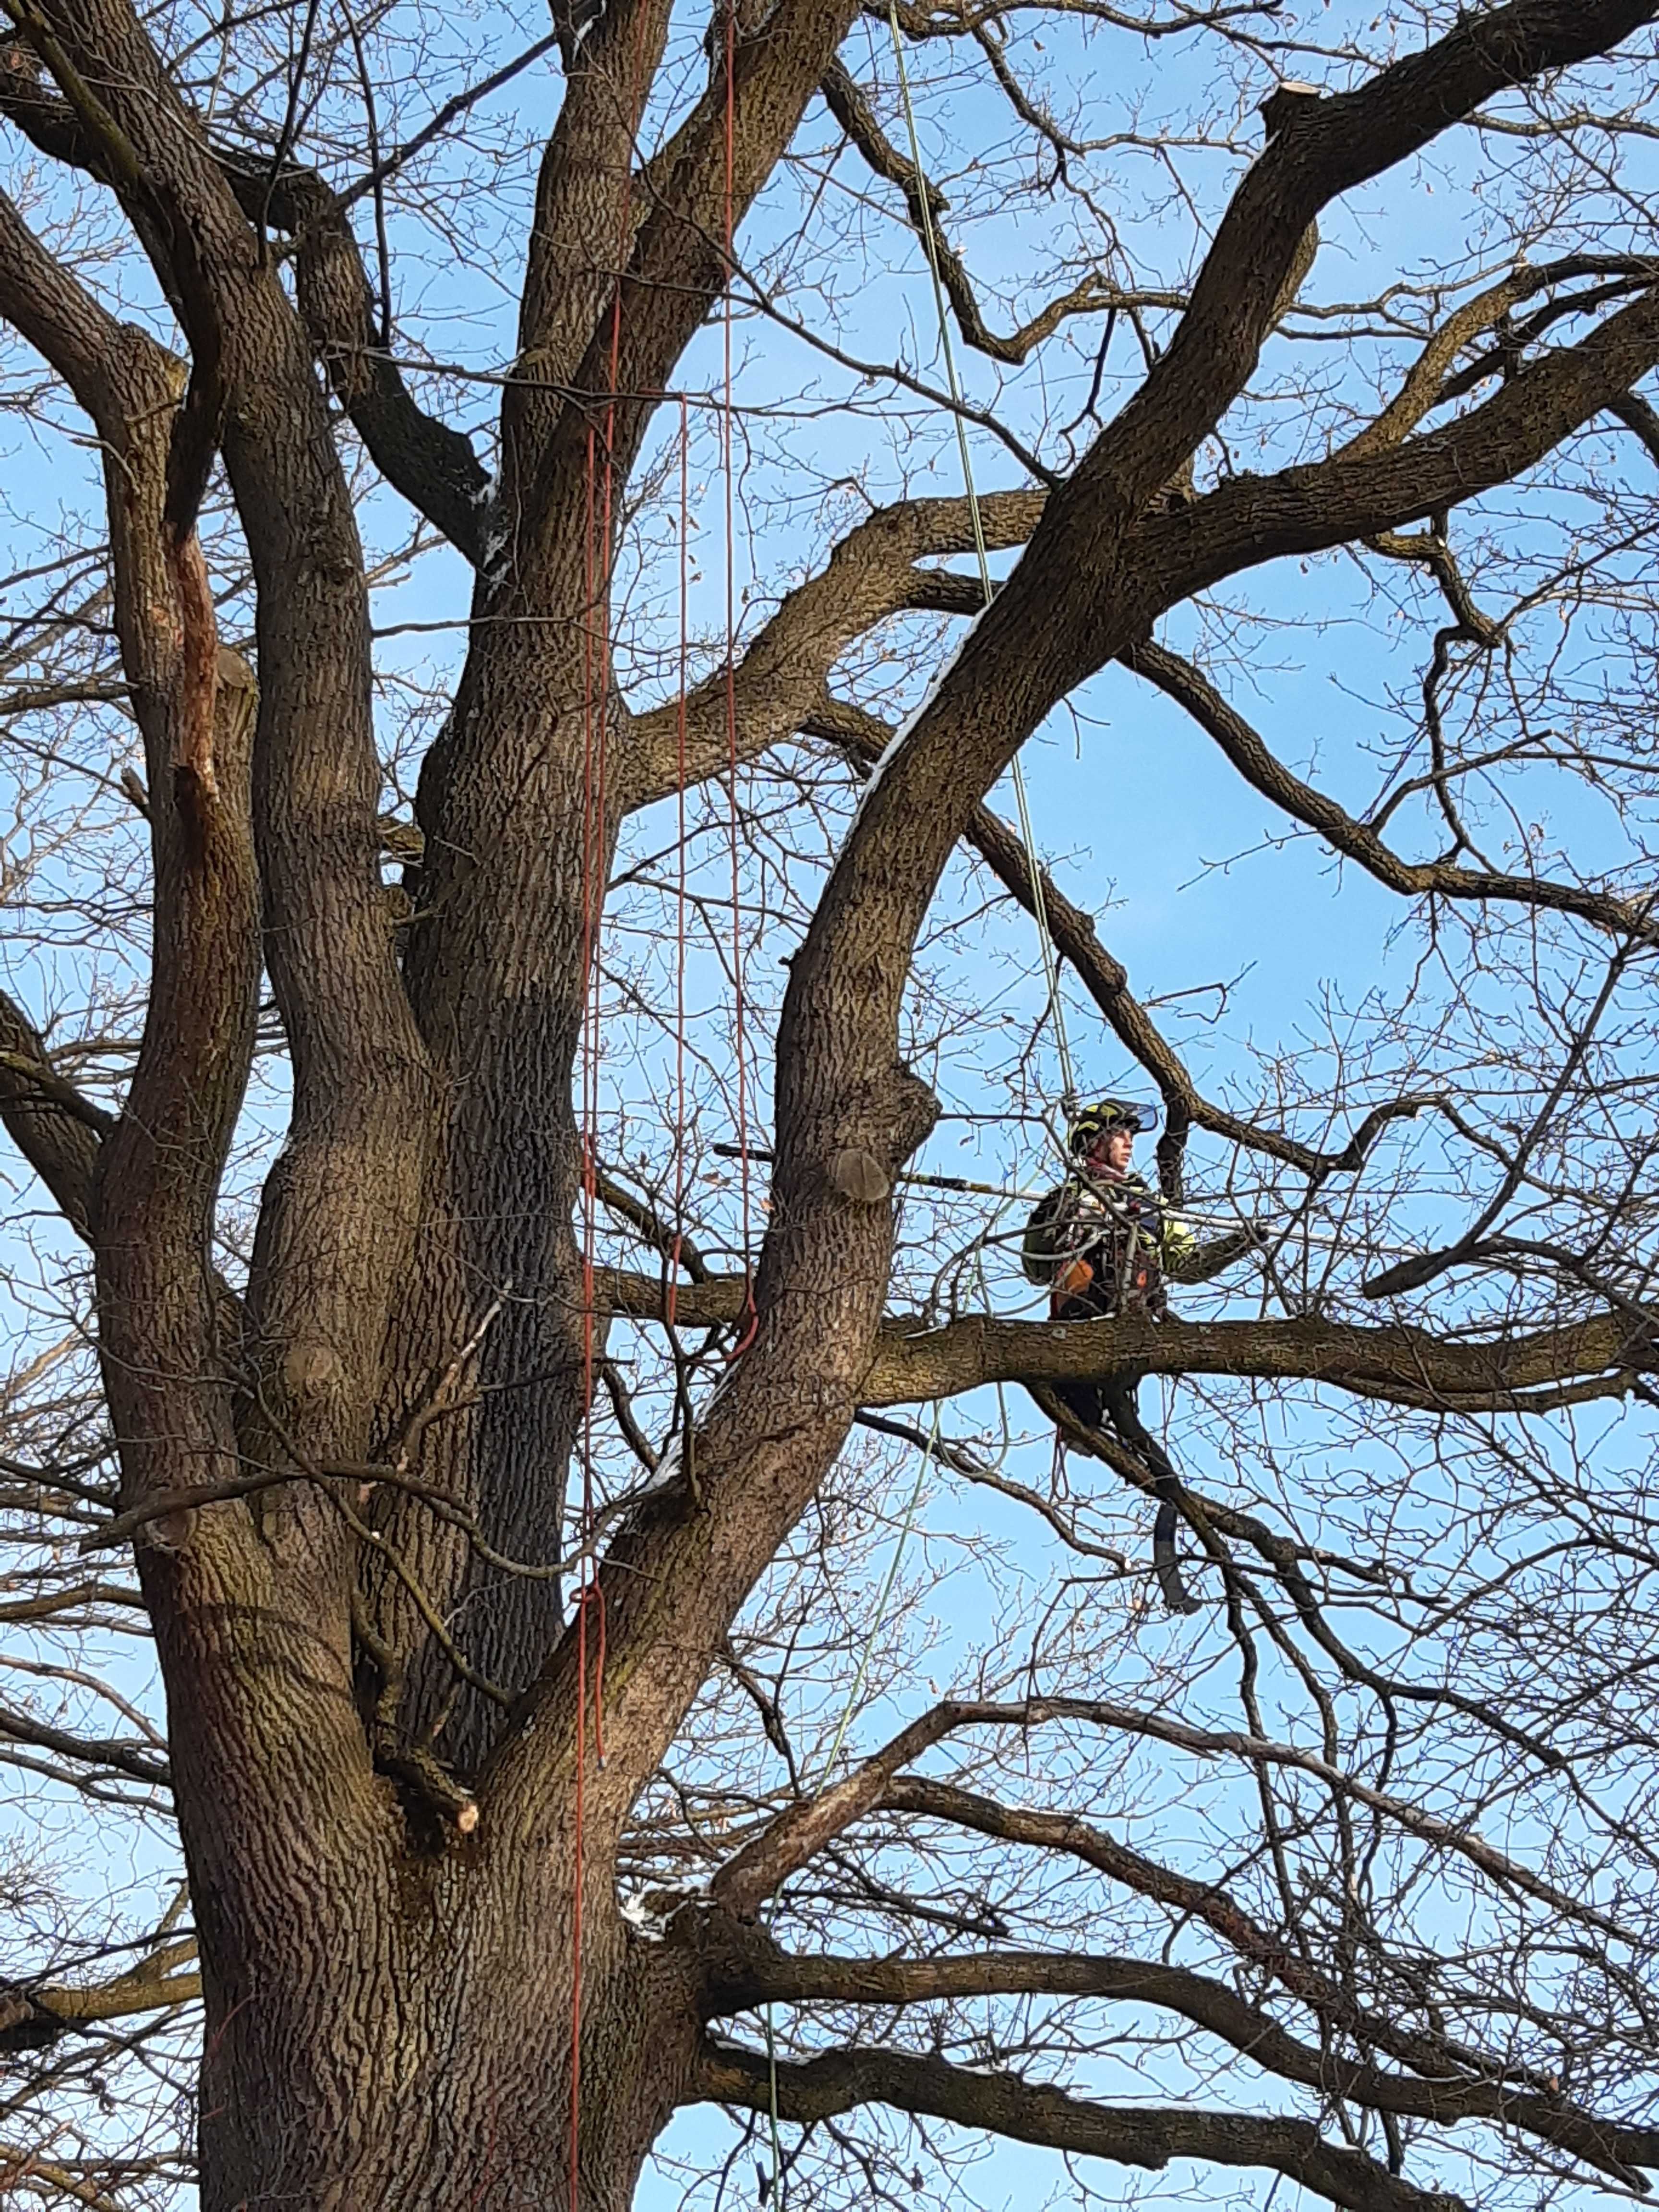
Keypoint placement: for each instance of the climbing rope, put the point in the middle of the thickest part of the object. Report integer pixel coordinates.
(1034, 866)
(596, 685)
(593, 750)
(778, 2191)
(748, 1320)
(596, 706)
(673, 1271)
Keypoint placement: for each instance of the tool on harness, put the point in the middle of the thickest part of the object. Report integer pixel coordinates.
(1104, 1240)
(1099, 1243)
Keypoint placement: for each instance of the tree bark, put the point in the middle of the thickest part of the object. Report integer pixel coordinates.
(399, 2042)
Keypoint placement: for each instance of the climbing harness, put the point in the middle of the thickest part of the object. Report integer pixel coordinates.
(1099, 1243)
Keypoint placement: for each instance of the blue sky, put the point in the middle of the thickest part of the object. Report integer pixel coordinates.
(1144, 821)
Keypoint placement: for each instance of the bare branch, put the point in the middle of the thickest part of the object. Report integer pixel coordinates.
(772, 1977)
(434, 466)
(119, 1757)
(1210, 1905)
(1628, 919)
(57, 1130)
(1596, 1358)
(1425, 387)
(779, 681)
(1251, 520)
(42, 2012)
(744, 1883)
(847, 102)
(1331, 145)
(1072, 932)
(431, 464)
(837, 2081)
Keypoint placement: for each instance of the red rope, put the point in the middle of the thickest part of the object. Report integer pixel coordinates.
(596, 696)
(596, 685)
(680, 890)
(589, 1169)
(751, 1318)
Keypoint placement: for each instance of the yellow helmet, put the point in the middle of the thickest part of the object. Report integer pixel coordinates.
(1092, 1121)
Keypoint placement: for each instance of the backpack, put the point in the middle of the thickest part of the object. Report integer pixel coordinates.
(1044, 1244)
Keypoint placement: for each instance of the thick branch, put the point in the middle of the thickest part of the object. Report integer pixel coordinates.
(298, 776)
(1251, 520)
(56, 1129)
(1087, 586)
(650, 1226)
(30, 2017)
(1402, 1366)
(433, 465)
(1425, 385)
(681, 1565)
(1329, 147)
(588, 207)
(870, 574)
(771, 1976)
(744, 1883)
(118, 1758)
(761, 1865)
(25, 2168)
(1636, 415)
(1081, 594)
(82, 341)
(704, 185)
(837, 2081)
(1598, 1357)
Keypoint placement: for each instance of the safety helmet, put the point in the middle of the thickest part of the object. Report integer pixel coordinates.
(1106, 1113)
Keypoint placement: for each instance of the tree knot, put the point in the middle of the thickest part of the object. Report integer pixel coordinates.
(887, 1118)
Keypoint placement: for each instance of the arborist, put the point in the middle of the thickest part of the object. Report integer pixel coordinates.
(1103, 1244)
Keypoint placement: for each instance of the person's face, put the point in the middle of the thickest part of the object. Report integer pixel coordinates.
(1112, 1149)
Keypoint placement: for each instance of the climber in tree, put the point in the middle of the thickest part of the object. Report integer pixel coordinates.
(1103, 1244)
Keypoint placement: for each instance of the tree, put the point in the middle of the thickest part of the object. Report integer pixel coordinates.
(506, 1591)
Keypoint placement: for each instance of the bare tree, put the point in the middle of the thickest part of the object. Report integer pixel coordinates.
(517, 1557)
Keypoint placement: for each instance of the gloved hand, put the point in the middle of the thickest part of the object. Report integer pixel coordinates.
(1074, 1277)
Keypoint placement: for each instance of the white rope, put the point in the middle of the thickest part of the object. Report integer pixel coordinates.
(778, 2193)
(1050, 968)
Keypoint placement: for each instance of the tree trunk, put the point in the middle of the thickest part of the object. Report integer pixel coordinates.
(519, 805)
(391, 2029)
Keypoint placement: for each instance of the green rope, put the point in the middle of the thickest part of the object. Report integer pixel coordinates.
(891, 1576)
(1039, 904)
(778, 2193)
